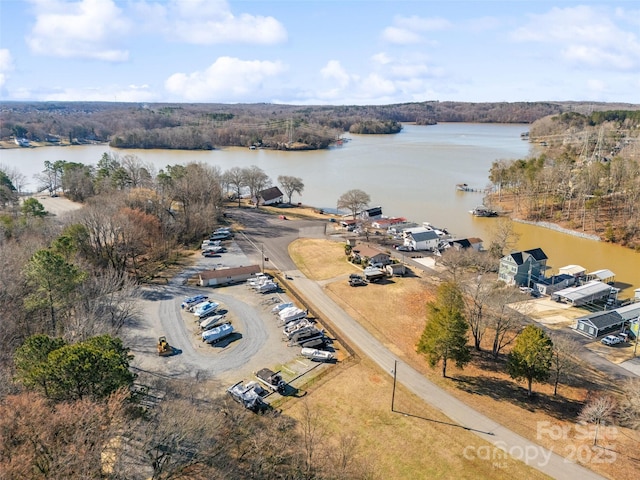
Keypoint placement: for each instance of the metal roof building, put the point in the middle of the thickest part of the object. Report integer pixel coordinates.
(589, 292)
(601, 323)
(605, 276)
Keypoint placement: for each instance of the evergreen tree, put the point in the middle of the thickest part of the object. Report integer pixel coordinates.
(531, 356)
(94, 368)
(445, 334)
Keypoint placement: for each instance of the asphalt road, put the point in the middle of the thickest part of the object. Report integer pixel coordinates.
(273, 236)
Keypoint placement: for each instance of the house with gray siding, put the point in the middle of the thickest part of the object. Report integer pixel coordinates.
(523, 268)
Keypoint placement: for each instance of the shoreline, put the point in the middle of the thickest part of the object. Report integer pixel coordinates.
(558, 228)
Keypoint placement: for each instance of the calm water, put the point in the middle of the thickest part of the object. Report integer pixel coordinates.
(412, 174)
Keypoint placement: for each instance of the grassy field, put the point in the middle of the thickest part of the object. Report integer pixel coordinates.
(395, 313)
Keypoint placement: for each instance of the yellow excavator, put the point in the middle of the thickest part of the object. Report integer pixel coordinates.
(164, 349)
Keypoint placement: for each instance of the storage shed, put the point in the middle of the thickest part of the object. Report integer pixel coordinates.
(227, 276)
(600, 323)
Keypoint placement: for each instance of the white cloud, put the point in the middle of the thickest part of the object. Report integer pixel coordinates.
(209, 22)
(129, 93)
(6, 65)
(334, 71)
(411, 30)
(390, 80)
(584, 35)
(226, 80)
(78, 29)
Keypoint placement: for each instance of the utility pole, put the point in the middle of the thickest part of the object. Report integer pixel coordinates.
(262, 255)
(393, 392)
(636, 333)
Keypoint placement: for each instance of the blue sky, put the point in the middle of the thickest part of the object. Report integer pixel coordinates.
(350, 52)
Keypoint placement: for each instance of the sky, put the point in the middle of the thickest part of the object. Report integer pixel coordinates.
(320, 52)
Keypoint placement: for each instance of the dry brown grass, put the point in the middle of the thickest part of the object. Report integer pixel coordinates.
(356, 402)
(319, 259)
(395, 313)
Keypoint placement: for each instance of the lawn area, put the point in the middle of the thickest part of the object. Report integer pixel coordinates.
(355, 403)
(395, 312)
(320, 259)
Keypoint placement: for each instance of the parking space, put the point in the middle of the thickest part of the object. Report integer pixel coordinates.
(257, 341)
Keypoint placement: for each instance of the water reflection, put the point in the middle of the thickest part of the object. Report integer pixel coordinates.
(412, 174)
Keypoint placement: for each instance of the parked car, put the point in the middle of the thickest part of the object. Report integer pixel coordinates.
(611, 340)
(403, 248)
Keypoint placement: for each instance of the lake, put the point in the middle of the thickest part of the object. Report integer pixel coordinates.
(411, 174)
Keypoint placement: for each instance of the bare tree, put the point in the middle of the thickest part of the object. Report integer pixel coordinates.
(478, 289)
(630, 403)
(108, 300)
(139, 173)
(40, 440)
(291, 185)
(234, 177)
(256, 180)
(504, 238)
(311, 436)
(354, 201)
(502, 319)
(563, 358)
(180, 435)
(16, 178)
(598, 410)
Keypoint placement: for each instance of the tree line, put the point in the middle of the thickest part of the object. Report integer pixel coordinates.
(71, 405)
(207, 126)
(586, 179)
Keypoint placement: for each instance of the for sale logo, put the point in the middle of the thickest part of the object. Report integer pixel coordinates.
(582, 443)
(585, 444)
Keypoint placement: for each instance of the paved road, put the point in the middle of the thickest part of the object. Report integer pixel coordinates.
(501, 437)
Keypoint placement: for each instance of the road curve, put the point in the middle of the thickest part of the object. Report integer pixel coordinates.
(534, 455)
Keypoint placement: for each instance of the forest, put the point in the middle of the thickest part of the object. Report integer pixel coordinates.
(284, 127)
(71, 404)
(586, 178)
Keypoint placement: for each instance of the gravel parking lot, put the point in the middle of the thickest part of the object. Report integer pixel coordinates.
(256, 343)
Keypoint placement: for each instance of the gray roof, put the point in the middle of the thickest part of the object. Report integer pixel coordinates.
(603, 320)
(629, 312)
(584, 291)
(424, 236)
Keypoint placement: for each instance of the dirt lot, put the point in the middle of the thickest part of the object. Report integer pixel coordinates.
(57, 205)
(395, 313)
(256, 343)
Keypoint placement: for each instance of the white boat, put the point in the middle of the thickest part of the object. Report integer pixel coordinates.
(218, 333)
(281, 306)
(296, 325)
(316, 355)
(267, 287)
(209, 323)
(206, 309)
(287, 316)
